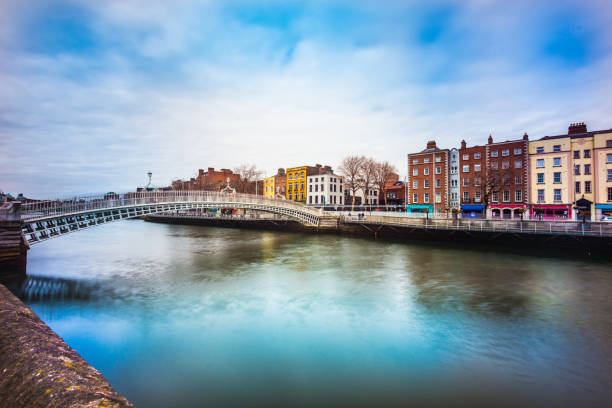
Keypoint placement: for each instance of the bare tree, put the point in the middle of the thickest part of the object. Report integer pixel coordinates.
(248, 174)
(491, 185)
(383, 176)
(368, 177)
(350, 168)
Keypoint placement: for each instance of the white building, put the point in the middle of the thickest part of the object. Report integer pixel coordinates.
(373, 194)
(453, 186)
(324, 189)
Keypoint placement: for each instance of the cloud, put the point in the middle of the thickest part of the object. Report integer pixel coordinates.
(176, 87)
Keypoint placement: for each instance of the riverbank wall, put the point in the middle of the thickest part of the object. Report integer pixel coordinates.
(549, 243)
(37, 368)
(13, 245)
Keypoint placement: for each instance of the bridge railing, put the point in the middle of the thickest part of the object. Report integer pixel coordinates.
(46, 208)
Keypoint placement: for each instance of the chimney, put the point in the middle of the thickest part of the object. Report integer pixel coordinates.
(576, 128)
(490, 139)
(431, 144)
(525, 136)
(463, 144)
(211, 170)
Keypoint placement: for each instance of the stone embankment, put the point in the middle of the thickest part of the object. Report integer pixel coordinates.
(38, 369)
(13, 246)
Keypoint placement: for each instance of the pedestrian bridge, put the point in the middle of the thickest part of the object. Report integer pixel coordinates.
(48, 219)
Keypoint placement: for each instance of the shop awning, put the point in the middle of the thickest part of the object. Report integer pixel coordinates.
(420, 207)
(472, 207)
(604, 206)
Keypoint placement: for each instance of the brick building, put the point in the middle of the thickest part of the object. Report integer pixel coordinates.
(428, 180)
(472, 175)
(210, 180)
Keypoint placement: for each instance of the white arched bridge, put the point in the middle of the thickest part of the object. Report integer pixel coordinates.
(43, 220)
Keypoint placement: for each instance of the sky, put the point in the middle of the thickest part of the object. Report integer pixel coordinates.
(94, 94)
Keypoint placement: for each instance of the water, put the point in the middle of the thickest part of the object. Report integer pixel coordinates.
(191, 316)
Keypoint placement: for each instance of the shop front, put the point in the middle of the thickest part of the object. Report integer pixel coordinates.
(506, 212)
(419, 209)
(551, 212)
(603, 212)
(472, 210)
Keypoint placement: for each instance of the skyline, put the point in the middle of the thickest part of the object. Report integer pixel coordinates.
(94, 96)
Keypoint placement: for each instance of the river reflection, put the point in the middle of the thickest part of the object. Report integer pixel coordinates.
(193, 316)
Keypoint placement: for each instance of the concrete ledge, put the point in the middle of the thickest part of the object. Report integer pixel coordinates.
(37, 368)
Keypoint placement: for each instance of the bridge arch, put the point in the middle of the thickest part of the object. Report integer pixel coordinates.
(44, 220)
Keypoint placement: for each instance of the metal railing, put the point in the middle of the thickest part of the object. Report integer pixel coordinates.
(526, 226)
(47, 208)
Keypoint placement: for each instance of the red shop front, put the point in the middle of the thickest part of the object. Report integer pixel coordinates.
(551, 212)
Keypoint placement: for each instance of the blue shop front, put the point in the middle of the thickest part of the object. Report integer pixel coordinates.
(472, 210)
(603, 212)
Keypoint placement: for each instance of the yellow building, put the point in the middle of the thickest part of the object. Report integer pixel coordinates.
(296, 183)
(602, 167)
(274, 186)
(550, 178)
(269, 187)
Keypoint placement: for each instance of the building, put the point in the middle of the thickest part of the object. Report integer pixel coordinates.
(454, 189)
(395, 194)
(428, 180)
(472, 179)
(602, 167)
(210, 180)
(274, 186)
(325, 189)
(296, 180)
(360, 196)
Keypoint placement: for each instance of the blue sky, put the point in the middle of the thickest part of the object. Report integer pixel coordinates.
(95, 94)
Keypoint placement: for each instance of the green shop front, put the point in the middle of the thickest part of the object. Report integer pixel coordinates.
(419, 209)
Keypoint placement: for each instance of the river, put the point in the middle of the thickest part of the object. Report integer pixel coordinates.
(182, 316)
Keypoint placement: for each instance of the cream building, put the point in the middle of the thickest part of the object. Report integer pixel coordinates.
(602, 163)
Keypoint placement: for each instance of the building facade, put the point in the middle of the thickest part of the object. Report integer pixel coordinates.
(324, 190)
(296, 181)
(454, 189)
(360, 196)
(472, 178)
(274, 186)
(428, 180)
(602, 144)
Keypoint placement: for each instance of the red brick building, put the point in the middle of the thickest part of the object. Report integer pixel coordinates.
(210, 180)
(494, 179)
(428, 180)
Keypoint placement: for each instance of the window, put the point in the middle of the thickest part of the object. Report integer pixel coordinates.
(557, 162)
(466, 182)
(476, 156)
(587, 169)
(426, 160)
(316, 187)
(322, 187)
(438, 159)
(415, 184)
(494, 165)
(438, 183)
(587, 187)
(426, 171)
(540, 178)
(495, 197)
(426, 197)
(539, 150)
(316, 199)
(586, 154)
(477, 167)
(576, 169)
(556, 148)
(310, 200)
(506, 152)
(438, 170)
(290, 176)
(518, 150)
(466, 168)
(609, 157)
(518, 179)
(609, 143)
(415, 172)
(540, 163)
(557, 194)
(301, 185)
(577, 187)
(557, 177)
(415, 198)
(609, 193)
(466, 197)
(438, 197)
(518, 164)
(310, 188)
(494, 153)
(425, 183)
(576, 154)
(518, 196)
(317, 179)
(476, 181)
(506, 196)
(466, 157)
(505, 165)
(477, 197)
(540, 196)
(609, 175)
(415, 161)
